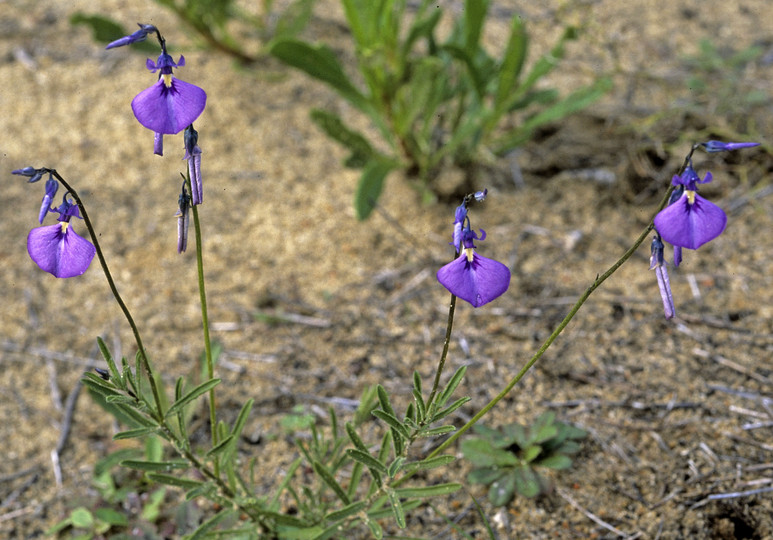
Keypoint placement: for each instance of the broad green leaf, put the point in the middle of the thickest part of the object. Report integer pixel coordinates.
(556, 461)
(481, 454)
(485, 475)
(81, 518)
(201, 389)
(112, 517)
(530, 453)
(526, 481)
(370, 186)
(501, 491)
(321, 63)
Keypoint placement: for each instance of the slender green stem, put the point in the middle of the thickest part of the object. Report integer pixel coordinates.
(560, 328)
(205, 323)
(158, 414)
(446, 343)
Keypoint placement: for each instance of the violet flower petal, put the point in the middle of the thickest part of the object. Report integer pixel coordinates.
(57, 249)
(690, 225)
(478, 282)
(170, 109)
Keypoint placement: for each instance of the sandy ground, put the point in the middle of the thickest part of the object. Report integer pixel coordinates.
(678, 411)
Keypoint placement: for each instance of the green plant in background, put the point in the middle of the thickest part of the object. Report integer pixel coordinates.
(213, 22)
(432, 103)
(718, 83)
(506, 458)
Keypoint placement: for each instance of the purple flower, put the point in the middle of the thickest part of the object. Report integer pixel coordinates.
(719, 146)
(193, 155)
(137, 36)
(658, 264)
(472, 277)
(459, 217)
(170, 105)
(57, 249)
(690, 221)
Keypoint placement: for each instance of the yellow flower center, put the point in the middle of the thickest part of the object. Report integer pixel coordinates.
(469, 252)
(168, 79)
(64, 225)
(690, 196)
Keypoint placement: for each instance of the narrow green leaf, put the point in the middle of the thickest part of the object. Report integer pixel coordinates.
(155, 466)
(396, 466)
(175, 481)
(453, 382)
(428, 491)
(474, 17)
(361, 150)
(366, 459)
(237, 429)
(393, 422)
(434, 432)
(346, 511)
(450, 409)
(355, 438)
(397, 508)
(111, 517)
(203, 388)
(530, 453)
(321, 63)
(134, 433)
(512, 64)
(115, 375)
(331, 482)
(221, 447)
(370, 186)
(211, 523)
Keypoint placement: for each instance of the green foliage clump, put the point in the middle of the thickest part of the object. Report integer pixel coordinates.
(506, 458)
(432, 102)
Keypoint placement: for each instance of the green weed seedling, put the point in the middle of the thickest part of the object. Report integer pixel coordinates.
(506, 458)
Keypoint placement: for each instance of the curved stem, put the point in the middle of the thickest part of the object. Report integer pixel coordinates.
(444, 354)
(205, 323)
(560, 328)
(158, 413)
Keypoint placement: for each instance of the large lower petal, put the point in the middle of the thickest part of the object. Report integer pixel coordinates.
(59, 250)
(690, 225)
(478, 282)
(169, 109)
